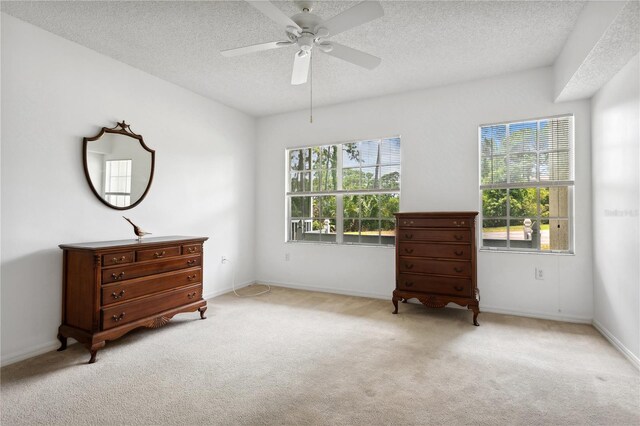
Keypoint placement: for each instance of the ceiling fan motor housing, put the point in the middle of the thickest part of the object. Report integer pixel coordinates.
(312, 30)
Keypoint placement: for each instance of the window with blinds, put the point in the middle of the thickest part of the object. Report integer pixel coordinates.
(344, 193)
(526, 184)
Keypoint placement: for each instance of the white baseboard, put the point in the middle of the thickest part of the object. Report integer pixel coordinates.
(29, 352)
(225, 290)
(483, 308)
(535, 314)
(617, 344)
(329, 290)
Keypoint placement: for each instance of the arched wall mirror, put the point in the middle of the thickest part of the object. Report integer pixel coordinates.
(118, 166)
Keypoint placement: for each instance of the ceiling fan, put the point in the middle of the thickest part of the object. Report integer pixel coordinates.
(308, 31)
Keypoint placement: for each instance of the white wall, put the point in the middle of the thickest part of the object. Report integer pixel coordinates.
(616, 201)
(439, 129)
(55, 92)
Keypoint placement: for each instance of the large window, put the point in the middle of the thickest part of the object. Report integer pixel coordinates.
(526, 184)
(344, 193)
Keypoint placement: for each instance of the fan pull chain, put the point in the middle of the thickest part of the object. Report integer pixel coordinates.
(311, 87)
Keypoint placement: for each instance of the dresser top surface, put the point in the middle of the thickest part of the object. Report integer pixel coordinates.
(131, 243)
(435, 214)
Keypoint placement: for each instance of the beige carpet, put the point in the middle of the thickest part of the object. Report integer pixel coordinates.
(295, 357)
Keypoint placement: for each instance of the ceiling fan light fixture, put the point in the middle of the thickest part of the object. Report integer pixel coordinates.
(305, 42)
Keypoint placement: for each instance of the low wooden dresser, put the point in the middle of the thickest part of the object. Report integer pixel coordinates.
(110, 288)
(436, 259)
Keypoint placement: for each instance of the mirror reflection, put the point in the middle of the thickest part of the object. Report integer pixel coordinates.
(119, 167)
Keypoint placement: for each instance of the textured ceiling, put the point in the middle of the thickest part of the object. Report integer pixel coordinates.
(422, 44)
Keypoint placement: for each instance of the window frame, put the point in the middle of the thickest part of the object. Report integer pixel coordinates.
(538, 184)
(338, 193)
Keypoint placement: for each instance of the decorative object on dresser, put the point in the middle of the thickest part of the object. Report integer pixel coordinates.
(110, 288)
(436, 260)
(137, 230)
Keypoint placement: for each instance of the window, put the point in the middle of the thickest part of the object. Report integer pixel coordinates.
(344, 193)
(117, 185)
(526, 185)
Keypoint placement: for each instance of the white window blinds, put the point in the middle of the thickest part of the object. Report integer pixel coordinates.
(527, 154)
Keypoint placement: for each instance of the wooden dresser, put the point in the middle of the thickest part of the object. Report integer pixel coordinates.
(109, 288)
(436, 259)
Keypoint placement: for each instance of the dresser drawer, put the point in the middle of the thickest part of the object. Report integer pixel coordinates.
(434, 284)
(149, 268)
(161, 253)
(128, 312)
(433, 266)
(191, 249)
(444, 235)
(409, 222)
(117, 258)
(122, 292)
(443, 251)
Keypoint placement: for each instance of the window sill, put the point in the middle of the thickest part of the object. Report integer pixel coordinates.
(387, 246)
(543, 253)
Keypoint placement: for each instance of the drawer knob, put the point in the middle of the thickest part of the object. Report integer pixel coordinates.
(191, 295)
(192, 249)
(191, 262)
(117, 277)
(192, 277)
(457, 237)
(459, 288)
(408, 250)
(458, 252)
(458, 269)
(116, 260)
(408, 283)
(408, 265)
(408, 236)
(118, 318)
(159, 254)
(117, 295)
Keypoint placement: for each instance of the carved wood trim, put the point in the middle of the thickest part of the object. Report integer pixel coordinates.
(158, 322)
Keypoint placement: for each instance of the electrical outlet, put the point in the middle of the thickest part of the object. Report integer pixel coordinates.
(539, 274)
(287, 257)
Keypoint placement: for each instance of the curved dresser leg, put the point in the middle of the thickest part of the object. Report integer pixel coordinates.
(63, 342)
(202, 311)
(93, 350)
(395, 304)
(476, 311)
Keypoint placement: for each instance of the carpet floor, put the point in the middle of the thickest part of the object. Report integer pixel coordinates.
(296, 357)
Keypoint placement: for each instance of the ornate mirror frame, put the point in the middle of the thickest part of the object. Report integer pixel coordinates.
(125, 130)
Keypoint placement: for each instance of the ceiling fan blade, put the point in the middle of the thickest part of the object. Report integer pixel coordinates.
(359, 14)
(255, 48)
(274, 13)
(300, 68)
(355, 56)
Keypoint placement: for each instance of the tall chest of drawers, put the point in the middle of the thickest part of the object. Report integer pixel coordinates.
(436, 259)
(113, 287)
